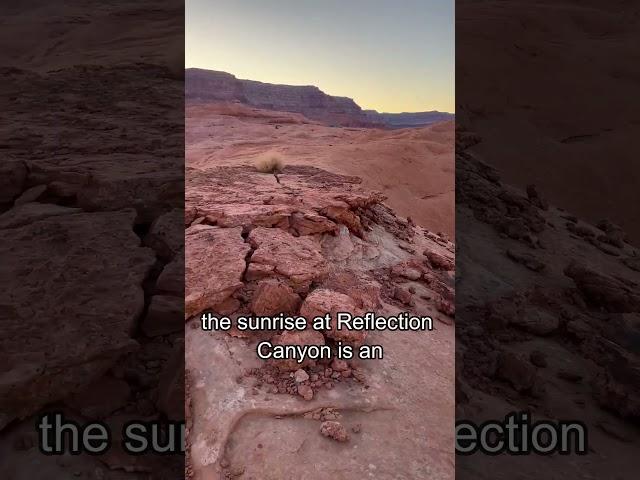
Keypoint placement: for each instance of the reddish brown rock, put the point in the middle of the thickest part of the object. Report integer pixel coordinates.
(306, 392)
(335, 431)
(339, 365)
(448, 307)
(403, 295)
(166, 236)
(215, 263)
(300, 376)
(310, 223)
(406, 270)
(239, 214)
(364, 291)
(296, 259)
(273, 297)
(256, 271)
(536, 198)
(439, 261)
(323, 301)
(345, 217)
(538, 358)
(308, 100)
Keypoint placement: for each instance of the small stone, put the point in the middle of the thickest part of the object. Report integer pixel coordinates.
(339, 365)
(402, 295)
(357, 428)
(306, 392)
(237, 470)
(335, 431)
(301, 376)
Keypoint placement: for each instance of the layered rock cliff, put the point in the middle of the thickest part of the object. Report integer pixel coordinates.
(313, 103)
(208, 85)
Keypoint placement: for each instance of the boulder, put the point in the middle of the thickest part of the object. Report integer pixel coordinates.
(166, 235)
(273, 297)
(297, 260)
(322, 301)
(215, 263)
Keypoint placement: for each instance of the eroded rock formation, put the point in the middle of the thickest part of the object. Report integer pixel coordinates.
(309, 242)
(207, 86)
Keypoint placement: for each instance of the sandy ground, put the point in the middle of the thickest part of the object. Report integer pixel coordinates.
(413, 167)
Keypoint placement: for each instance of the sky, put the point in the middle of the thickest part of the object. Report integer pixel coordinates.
(388, 55)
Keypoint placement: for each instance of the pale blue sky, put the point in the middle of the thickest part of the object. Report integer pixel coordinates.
(389, 55)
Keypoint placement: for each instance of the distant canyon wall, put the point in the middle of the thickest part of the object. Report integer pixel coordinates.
(310, 101)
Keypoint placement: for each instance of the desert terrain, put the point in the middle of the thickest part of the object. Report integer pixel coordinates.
(354, 219)
(412, 167)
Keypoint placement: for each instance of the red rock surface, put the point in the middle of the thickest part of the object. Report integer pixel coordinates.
(414, 168)
(273, 297)
(308, 242)
(215, 262)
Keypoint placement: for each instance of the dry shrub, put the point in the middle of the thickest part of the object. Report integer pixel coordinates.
(270, 162)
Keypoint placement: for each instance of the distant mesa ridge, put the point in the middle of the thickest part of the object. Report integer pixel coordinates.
(209, 85)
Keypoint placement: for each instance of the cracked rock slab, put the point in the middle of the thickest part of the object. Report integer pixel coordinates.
(215, 263)
(63, 325)
(297, 259)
